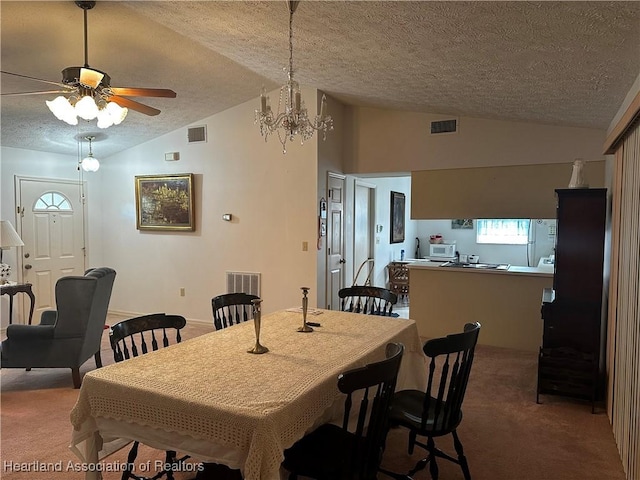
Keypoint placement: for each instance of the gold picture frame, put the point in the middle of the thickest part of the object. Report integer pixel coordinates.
(165, 202)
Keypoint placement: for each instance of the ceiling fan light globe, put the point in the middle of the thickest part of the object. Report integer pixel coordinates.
(86, 108)
(90, 164)
(60, 107)
(105, 120)
(71, 119)
(117, 112)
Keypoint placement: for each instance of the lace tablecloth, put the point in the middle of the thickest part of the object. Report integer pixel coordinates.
(210, 398)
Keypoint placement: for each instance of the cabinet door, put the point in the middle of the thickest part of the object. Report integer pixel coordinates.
(580, 244)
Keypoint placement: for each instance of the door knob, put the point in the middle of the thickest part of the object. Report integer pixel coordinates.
(28, 266)
(342, 260)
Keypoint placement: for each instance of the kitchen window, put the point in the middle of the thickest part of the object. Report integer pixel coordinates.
(511, 231)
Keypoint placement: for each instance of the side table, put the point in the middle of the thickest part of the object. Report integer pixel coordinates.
(12, 289)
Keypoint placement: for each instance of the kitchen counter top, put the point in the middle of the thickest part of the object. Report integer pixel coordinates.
(543, 271)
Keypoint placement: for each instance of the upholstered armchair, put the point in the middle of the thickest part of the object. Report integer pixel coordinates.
(66, 337)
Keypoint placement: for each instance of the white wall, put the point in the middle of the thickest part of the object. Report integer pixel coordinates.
(271, 196)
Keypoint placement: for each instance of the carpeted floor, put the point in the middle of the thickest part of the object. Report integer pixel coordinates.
(506, 435)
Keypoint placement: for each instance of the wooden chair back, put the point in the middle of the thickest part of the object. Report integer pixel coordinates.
(450, 361)
(367, 300)
(375, 384)
(399, 278)
(232, 308)
(136, 336)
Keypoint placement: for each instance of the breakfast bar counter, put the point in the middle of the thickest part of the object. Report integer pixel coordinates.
(506, 302)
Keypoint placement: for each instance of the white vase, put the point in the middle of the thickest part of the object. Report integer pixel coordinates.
(577, 177)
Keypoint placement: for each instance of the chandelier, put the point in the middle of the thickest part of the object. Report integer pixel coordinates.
(89, 105)
(293, 119)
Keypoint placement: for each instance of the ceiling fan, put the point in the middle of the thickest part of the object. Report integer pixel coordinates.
(81, 82)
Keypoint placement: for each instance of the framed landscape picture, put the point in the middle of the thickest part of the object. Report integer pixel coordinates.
(397, 217)
(165, 202)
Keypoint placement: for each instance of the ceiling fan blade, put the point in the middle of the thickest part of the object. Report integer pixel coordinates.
(34, 78)
(43, 92)
(133, 105)
(90, 77)
(143, 92)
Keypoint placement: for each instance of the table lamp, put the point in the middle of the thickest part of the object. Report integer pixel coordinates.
(8, 238)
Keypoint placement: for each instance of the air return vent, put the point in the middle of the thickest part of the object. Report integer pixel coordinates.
(444, 126)
(197, 134)
(244, 282)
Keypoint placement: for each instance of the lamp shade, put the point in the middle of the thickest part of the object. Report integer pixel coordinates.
(8, 235)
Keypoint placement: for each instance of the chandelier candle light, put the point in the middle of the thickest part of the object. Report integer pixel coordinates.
(294, 120)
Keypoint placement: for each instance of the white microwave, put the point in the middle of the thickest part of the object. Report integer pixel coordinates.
(442, 251)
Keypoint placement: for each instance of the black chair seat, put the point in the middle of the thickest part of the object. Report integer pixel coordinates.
(407, 411)
(323, 454)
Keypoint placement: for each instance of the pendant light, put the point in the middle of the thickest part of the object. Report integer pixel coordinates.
(90, 163)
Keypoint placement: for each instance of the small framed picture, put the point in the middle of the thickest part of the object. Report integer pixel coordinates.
(397, 217)
(462, 223)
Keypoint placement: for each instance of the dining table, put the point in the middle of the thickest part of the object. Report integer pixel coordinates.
(209, 398)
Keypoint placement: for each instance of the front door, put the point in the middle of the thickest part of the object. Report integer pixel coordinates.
(51, 221)
(335, 239)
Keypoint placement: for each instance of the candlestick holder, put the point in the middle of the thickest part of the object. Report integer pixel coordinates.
(305, 303)
(257, 319)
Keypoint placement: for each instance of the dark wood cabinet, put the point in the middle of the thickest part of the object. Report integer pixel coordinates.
(571, 358)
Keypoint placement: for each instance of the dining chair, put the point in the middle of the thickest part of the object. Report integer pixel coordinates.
(437, 411)
(399, 279)
(137, 336)
(232, 308)
(368, 300)
(351, 451)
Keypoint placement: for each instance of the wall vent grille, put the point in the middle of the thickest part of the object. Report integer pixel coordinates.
(444, 126)
(197, 134)
(244, 282)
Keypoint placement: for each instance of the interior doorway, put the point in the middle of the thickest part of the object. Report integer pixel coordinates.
(363, 225)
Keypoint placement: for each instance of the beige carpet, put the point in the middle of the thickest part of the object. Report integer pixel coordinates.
(506, 435)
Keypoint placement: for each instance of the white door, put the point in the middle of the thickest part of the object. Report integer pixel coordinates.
(335, 239)
(363, 227)
(51, 220)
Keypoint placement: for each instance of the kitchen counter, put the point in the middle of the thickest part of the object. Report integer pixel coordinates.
(506, 302)
(542, 270)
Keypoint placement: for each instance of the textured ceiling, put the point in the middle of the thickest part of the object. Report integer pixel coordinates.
(562, 63)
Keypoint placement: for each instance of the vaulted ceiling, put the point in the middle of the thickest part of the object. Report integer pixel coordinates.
(561, 63)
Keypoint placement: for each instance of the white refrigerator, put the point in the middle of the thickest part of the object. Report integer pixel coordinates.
(542, 240)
